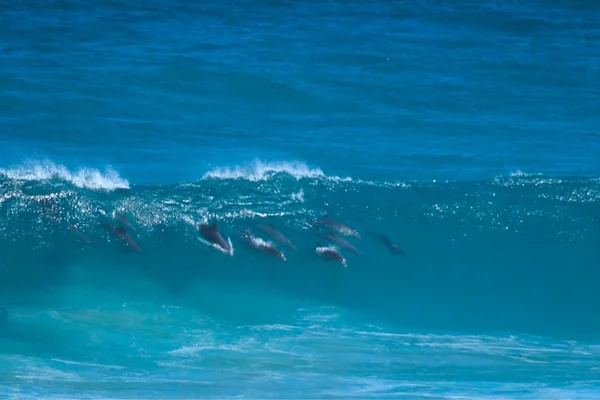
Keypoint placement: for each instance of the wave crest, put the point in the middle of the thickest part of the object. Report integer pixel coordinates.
(88, 178)
(259, 171)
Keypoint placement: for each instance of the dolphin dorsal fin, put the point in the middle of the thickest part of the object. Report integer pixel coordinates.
(319, 244)
(272, 226)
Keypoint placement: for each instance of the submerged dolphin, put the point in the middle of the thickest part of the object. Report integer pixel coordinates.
(275, 234)
(394, 248)
(75, 229)
(338, 227)
(121, 232)
(212, 235)
(330, 254)
(258, 244)
(341, 242)
(125, 221)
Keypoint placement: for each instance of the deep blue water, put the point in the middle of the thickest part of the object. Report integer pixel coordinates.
(466, 132)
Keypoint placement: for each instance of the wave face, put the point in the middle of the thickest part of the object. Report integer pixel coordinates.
(515, 254)
(501, 273)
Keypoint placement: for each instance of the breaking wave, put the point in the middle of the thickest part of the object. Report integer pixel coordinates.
(503, 244)
(88, 178)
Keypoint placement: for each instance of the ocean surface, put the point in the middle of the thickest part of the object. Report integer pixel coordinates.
(467, 132)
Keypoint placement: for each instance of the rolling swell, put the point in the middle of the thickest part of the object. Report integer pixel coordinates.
(513, 253)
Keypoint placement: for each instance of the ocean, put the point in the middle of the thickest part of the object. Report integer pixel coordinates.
(466, 132)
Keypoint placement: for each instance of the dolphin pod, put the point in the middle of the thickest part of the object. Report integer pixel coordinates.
(328, 253)
(211, 234)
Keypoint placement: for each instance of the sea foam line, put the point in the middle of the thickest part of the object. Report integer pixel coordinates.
(88, 178)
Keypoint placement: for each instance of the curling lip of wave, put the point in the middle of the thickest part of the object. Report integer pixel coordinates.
(88, 178)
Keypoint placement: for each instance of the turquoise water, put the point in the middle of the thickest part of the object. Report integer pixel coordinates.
(467, 133)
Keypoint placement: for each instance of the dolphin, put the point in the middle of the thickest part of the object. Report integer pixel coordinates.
(394, 248)
(338, 227)
(212, 235)
(330, 254)
(121, 232)
(257, 243)
(341, 242)
(75, 229)
(125, 221)
(275, 234)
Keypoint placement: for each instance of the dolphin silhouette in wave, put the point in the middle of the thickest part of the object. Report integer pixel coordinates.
(258, 244)
(211, 234)
(338, 227)
(272, 231)
(330, 254)
(393, 247)
(341, 242)
(75, 229)
(121, 232)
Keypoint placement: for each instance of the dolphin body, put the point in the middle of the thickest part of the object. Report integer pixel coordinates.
(262, 246)
(341, 242)
(75, 229)
(121, 232)
(212, 235)
(330, 254)
(275, 234)
(125, 221)
(394, 248)
(338, 227)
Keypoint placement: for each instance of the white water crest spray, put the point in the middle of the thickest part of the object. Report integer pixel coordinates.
(258, 170)
(88, 178)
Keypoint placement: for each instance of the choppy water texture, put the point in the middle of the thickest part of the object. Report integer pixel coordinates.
(467, 133)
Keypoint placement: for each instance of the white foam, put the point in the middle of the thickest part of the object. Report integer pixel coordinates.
(84, 364)
(83, 177)
(321, 249)
(258, 242)
(520, 174)
(299, 196)
(259, 171)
